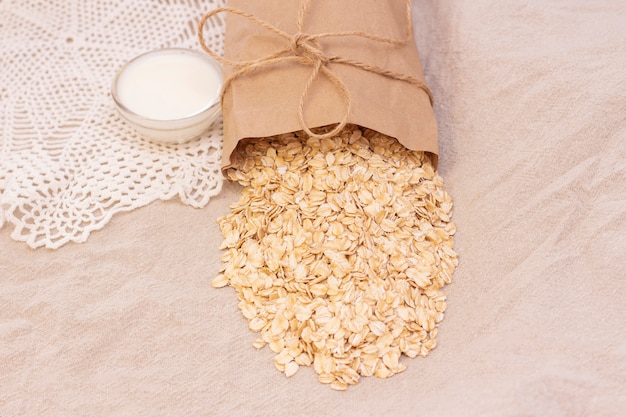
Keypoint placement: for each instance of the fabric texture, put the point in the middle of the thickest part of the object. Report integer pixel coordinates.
(68, 162)
(530, 98)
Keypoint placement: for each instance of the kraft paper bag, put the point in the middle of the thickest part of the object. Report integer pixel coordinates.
(265, 102)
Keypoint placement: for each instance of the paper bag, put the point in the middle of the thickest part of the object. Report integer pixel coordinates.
(266, 102)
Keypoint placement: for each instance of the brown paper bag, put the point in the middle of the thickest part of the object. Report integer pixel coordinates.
(265, 103)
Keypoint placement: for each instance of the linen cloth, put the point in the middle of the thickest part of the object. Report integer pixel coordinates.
(531, 104)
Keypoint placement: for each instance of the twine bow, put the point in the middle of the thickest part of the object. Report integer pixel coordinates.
(305, 49)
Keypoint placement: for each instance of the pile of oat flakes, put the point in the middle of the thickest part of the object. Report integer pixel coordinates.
(338, 250)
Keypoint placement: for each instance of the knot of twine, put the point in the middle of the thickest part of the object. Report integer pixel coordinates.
(306, 46)
(305, 49)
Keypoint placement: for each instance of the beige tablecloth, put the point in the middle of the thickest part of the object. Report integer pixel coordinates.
(531, 104)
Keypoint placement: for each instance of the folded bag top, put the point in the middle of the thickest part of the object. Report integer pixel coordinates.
(296, 66)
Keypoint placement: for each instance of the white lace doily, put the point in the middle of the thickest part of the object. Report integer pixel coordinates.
(68, 162)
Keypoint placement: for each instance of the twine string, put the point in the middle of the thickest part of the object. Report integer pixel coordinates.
(305, 49)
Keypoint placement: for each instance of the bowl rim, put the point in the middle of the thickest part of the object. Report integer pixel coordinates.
(154, 123)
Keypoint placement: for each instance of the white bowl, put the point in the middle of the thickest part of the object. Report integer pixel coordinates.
(169, 95)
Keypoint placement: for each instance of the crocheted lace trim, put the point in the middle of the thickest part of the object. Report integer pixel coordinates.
(68, 162)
